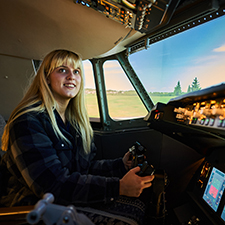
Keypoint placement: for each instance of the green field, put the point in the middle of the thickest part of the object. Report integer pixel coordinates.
(122, 106)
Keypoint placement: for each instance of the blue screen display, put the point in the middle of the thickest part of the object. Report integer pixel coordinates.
(214, 189)
(223, 214)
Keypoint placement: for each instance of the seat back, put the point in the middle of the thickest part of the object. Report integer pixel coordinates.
(2, 125)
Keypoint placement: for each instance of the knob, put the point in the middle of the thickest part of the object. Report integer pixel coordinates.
(206, 112)
(218, 112)
(197, 115)
(180, 116)
(179, 110)
(188, 113)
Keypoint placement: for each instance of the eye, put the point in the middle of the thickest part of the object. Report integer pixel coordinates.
(77, 71)
(62, 70)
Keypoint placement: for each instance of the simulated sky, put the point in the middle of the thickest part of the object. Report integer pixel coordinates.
(198, 52)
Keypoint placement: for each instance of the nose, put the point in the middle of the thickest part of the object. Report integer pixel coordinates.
(71, 75)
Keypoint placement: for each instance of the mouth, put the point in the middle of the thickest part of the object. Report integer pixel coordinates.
(70, 85)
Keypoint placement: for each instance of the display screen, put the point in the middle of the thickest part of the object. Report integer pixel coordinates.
(214, 189)
(223, 214)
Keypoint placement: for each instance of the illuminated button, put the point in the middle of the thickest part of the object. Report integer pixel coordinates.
(223, 124)
(107, 8)
(194, 120)
(207, 121)
(202, 121)
(157, 116)
(200, 183)
(220, 122)
(212, 122)
(62, 145)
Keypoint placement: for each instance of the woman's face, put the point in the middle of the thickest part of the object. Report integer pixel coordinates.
(65, 83)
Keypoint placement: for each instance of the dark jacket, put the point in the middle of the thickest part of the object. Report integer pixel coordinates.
(38, 162)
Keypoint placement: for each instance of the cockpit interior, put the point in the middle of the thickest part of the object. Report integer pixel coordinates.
(184, 136)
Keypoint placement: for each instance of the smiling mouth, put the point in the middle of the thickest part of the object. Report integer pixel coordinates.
(70, 85)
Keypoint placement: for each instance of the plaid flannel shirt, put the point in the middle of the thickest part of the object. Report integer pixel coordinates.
(39, 162)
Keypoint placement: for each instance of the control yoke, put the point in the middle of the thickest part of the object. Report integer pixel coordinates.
(139, 159)
(56, 214)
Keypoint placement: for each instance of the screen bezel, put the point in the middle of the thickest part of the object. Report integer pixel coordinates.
(214, 169)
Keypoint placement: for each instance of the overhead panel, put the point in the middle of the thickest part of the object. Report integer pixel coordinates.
(141, 15)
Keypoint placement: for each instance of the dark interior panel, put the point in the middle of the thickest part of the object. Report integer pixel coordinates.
(201, 200)
(177, 159)
(180, 162)
(116, 144)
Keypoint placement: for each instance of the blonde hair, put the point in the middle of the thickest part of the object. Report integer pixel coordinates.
(39, 91)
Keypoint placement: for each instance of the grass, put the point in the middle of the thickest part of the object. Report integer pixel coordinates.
(122, 106)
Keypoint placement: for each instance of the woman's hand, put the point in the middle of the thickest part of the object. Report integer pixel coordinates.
(127, 161)
(132, 185)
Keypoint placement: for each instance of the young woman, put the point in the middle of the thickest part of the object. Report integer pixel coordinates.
(49, 147)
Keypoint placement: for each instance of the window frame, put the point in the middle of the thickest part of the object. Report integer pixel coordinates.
(107, 123)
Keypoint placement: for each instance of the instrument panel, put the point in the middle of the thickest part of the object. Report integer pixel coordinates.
(201, 109)
(206, 195)
(210, 113)
(196, 119)
(141, 15)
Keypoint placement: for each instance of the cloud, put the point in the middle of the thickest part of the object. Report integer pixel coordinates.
(205, 59)
(220, 49)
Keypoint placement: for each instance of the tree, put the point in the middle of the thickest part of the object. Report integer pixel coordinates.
(177, 90)
(189, 89)
(195, 86)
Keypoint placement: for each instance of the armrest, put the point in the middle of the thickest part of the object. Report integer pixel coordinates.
(14, 215)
